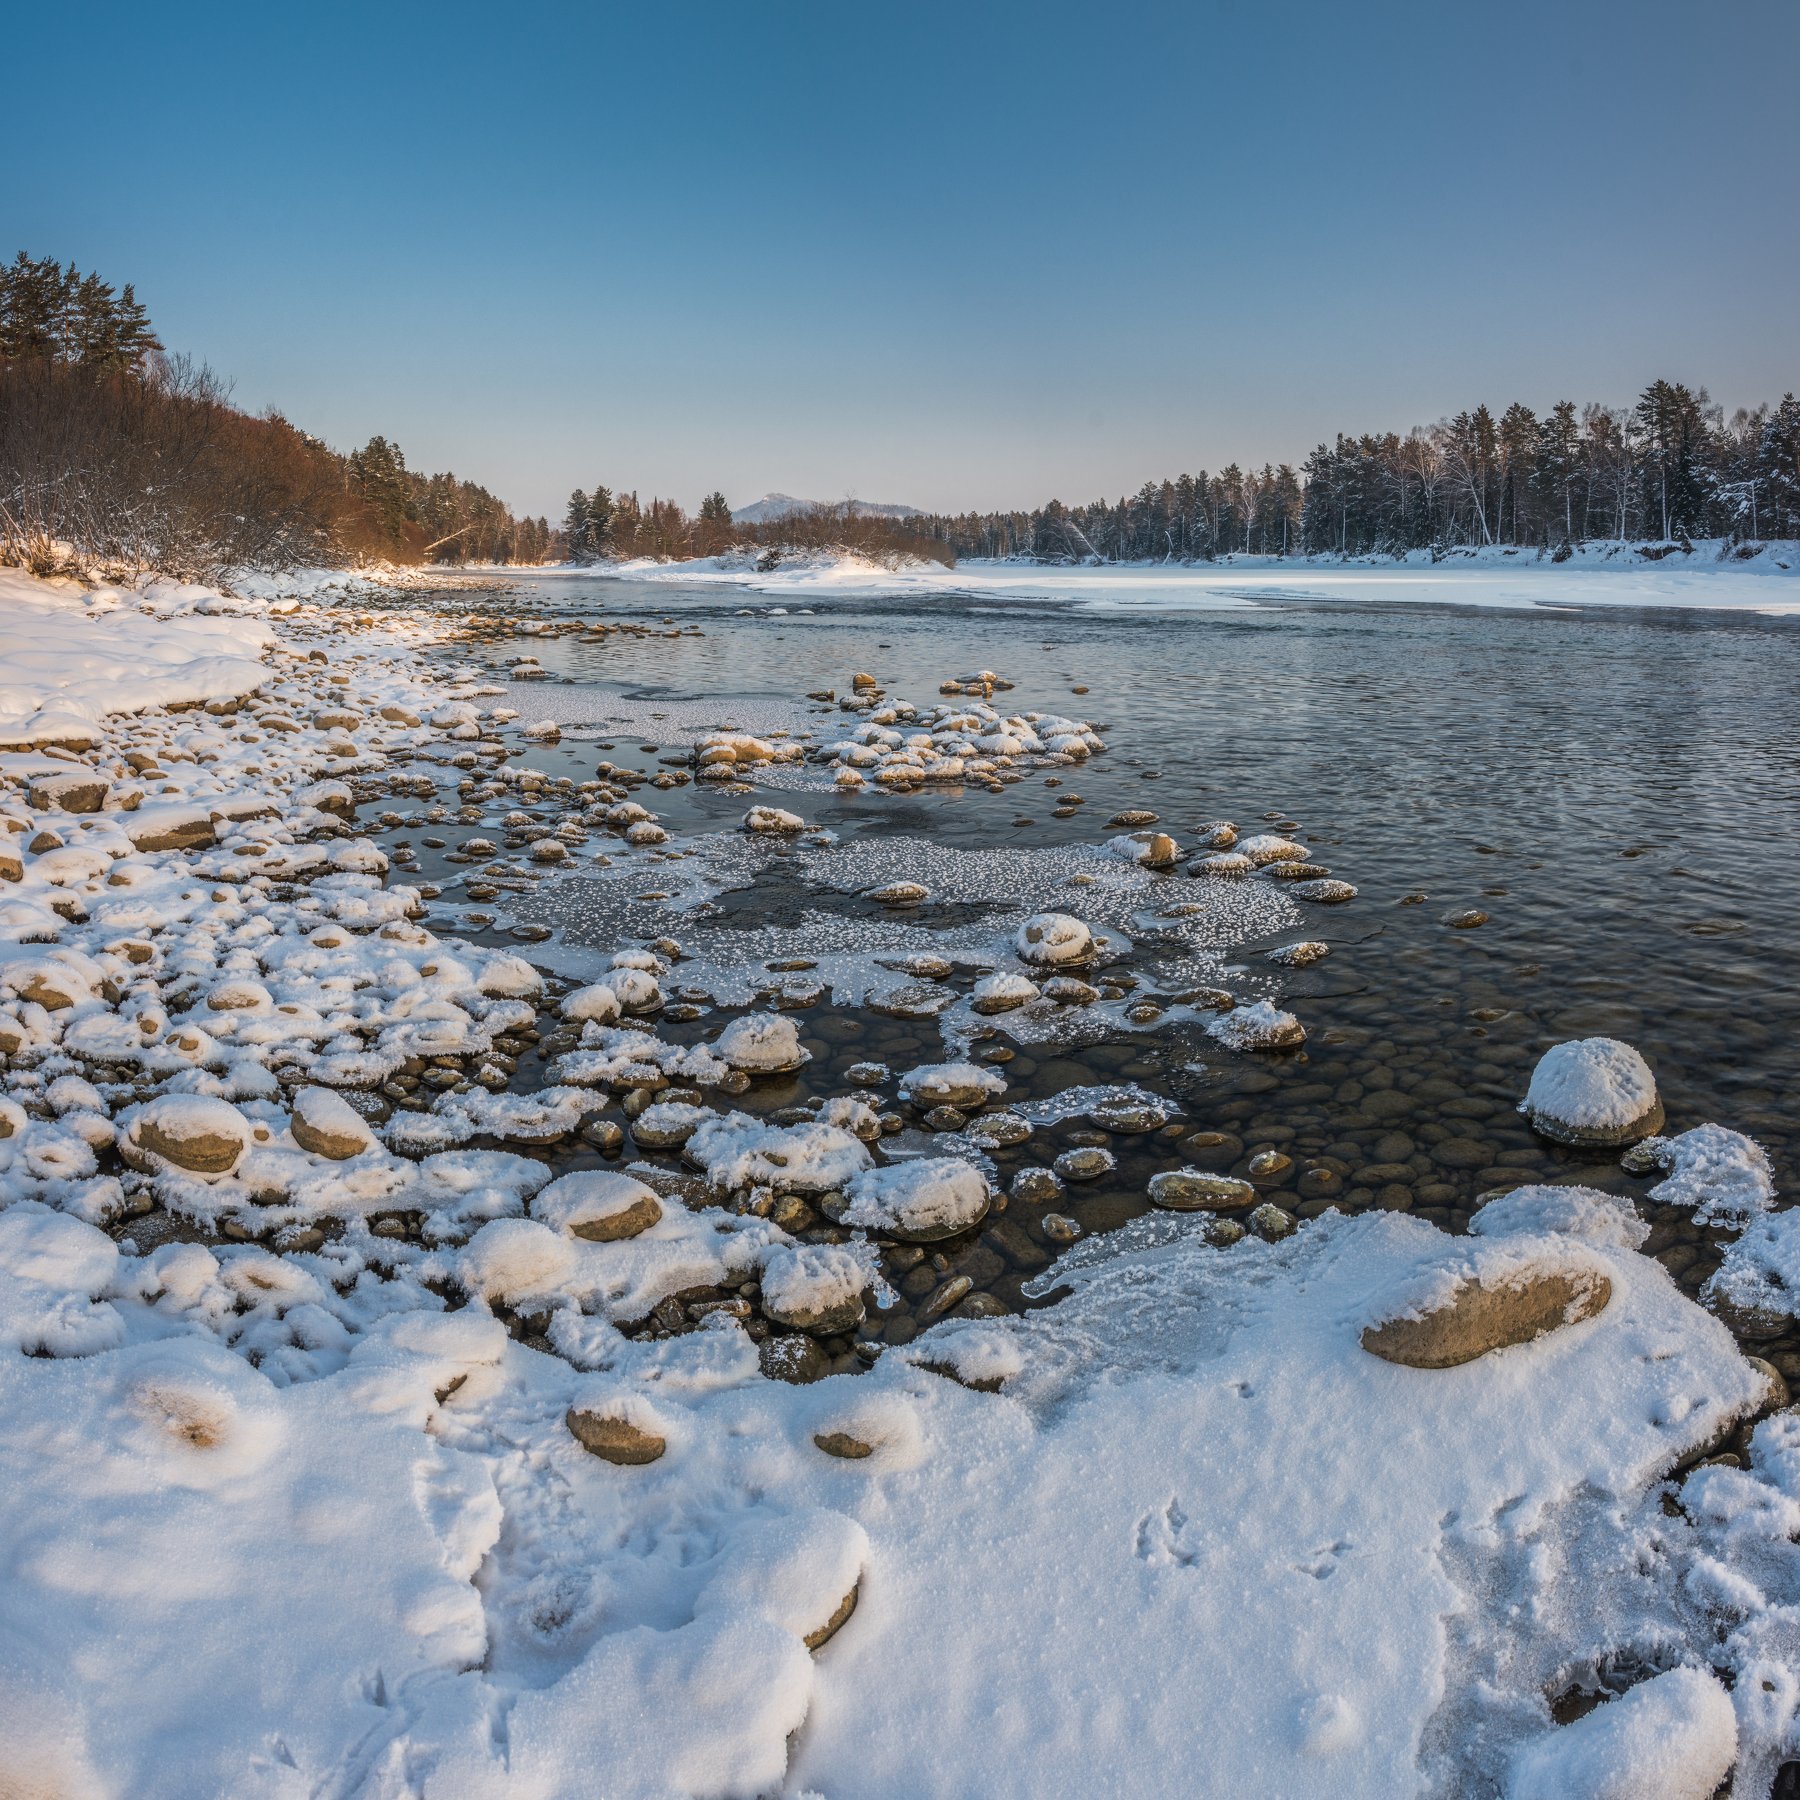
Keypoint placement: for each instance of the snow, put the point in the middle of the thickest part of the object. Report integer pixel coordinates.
(1602, 575)
(290, 1521)
(1674, 1736)
(1595, 1085)
(925, 1198)
(1723, 1175)
(70, 656)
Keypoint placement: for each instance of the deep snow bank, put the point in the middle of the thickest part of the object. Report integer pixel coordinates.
(1199, 1543)
(70, 655)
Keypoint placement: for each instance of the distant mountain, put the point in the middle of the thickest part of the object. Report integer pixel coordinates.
(780, 506)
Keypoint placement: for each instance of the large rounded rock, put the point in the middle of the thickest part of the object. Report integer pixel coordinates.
(599, 1205)
(192, 1131)
(762, 1044)
(1593, 1092)
(813, 1287)
(328, 1125)
(614, 1439)
(1193, 1190)
(1051, 940)
(920, 1200)
(1485, 1315)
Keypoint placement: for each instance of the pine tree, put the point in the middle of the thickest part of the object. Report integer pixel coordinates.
(600, 520)
(576, 528)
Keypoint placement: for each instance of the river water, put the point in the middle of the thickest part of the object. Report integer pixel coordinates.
(1617, 791)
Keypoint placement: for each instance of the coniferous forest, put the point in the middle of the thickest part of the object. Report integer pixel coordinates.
(1667, 470)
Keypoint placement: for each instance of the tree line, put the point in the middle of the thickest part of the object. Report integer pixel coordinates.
(601, 525)
(115, 454)
(1665, 471)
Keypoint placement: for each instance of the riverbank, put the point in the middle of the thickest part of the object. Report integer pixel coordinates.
(394, 1306)
(1707, 577)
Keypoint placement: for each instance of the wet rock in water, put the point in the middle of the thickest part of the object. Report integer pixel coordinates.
(1262, 1026)
(1271, 1223)
(914, 1000)
(1267, 847)
(1593, 1092)
(614, 1438)
(1218, 834)
(1127, 1114)
(1481, 1316)
(1465, 918)
(1149, 849)
(1295, 871)
(945, 1296)
(867, 1074)
(1323, 893)
(1086, 1164)
(1051, 940)
(962, 1085)
(920, 1200)
(1212, 1150)
(841, 1443)
(327, 1125)
(899, 893)
(1269, 1168)
(1059, 1228)
(600, 1205)
(1226, 863)
(1037, 1186)
(998, 1130)
(946, 1118)
(793, 1358)
(1195, 1190)
(1299, 956)
(1002, 993)
(192, 1131)
(762, 1044)
(814, 1287)
(1070, 990)
(773, 819)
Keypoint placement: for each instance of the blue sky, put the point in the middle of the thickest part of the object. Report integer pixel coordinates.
(959, 255)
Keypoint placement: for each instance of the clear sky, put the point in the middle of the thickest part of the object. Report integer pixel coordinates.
(969, 254)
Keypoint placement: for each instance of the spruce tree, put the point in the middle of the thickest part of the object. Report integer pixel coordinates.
(575, 529)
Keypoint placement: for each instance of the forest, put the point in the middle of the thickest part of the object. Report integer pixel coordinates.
(115, 454)
(1667, 470)
(600, 525)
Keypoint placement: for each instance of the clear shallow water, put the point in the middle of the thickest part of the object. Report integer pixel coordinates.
(1618, 791)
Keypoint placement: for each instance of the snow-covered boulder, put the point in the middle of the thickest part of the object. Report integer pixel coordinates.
(762, 1044)
(773, 819)
(1593, 1091)
(596, 1004)
(193, 1131)
(921, 1200)
(1262, 1026)
(327, 1124)
(601, 1205)
(1050, 940)
(1673, 1737)
(1002, 993)
(814, 1287)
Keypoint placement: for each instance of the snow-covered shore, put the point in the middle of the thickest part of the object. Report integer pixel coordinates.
(1597, 575)
(298, 1496)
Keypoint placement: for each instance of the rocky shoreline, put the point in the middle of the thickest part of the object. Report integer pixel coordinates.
(271, 1119)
